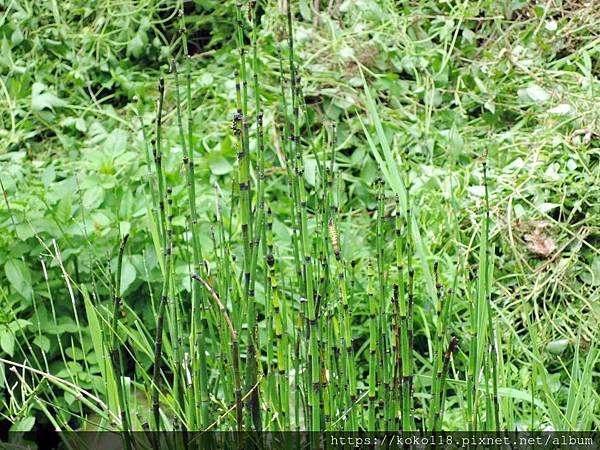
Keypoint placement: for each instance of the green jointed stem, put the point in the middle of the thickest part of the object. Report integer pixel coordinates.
(406, 318)
(305, 246)
(289, 163)
(311, 309)
(149, 158)
(197, 332)
(400, 301)
(115, 349)
(260, 188)
(273, 316)
(235, 351)
(117, 300)
(344, 318)
(437, 356)
(372, 347)
(158, 157)
(385, 337)
(257, 224)
(176, 337)
(492, 335)
(479, 329)
(379, 239)
(403, 363)
(160, 319)
(280, 325)
(396, 360)
(471, 369)
(242, 130)
(452, 348)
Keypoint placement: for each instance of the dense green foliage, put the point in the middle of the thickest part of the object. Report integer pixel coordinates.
(432, 173)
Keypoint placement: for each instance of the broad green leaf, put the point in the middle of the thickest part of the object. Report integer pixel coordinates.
(533, 93)
(93, 197)
(369, 172)
(24, 425)
(24, 231)
(70, 368)
(100, 220)
(116, 142)
(124, 228)
(137, 44)
(455, 141)
(557, 347)
(305, 10)
(48, 176)
(592, 276)
(310, 171)
(65, 325)
(127, 205)
(65, 209)
(74, 353)
(7, 341)
(546, 206)
(128, 274)
(18, 324)
(19, 277)
(42, 342)
(226, 147)
(16, 37)
(561, 110)
(41, 98)
(218, 164)
(206, 79)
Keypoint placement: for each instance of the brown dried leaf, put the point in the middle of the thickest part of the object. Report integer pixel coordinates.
(539, 242)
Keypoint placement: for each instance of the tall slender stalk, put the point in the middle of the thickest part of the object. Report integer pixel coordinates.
(242, 130)
(235, 350)
(406, 318)
(373, 338)
(305, 245)
(158, 158)
(115, 349)
(160, 316)
(344, 318)
(383, 347)
(401, 311)
(452, 348)
(397, 360)
(488, 268)
(197, 333)
(437, 360)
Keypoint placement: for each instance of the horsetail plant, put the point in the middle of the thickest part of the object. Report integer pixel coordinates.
(197, 333)
(158, 346)
(235, 352)
(116, 354)
(286, 323)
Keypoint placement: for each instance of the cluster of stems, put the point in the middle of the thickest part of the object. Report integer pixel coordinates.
(271, 335)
